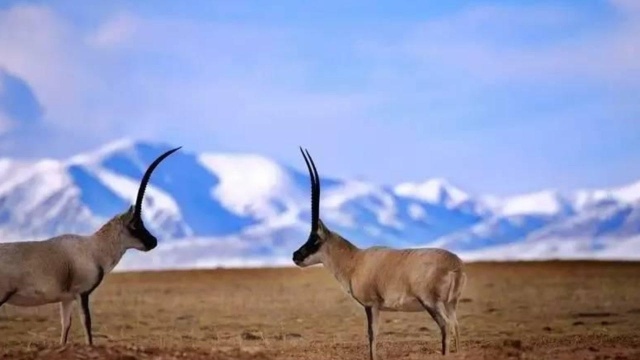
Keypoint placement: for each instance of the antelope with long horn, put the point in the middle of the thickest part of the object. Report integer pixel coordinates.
(69, 267)
(385, 279)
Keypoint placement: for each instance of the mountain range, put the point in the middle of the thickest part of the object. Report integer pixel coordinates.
(220, 209)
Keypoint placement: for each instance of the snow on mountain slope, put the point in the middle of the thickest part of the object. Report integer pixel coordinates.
(614, 221)
(212, 208)
(40, 200)
(218, 195)
(369, 197)
(628, 194)
(252, 185)
(435, 191)
(495, 231)
(557, 249)
(12, 171)
(158, 206)
(183, 177)
(548, 203)
(579, 248)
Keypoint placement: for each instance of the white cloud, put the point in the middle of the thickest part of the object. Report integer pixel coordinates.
(130, 75)
(114, 32)
(41, 49)
(138, 76)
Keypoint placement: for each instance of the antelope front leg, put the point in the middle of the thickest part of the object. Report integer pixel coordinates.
(85, 315)
(65, 320)
(373, 313)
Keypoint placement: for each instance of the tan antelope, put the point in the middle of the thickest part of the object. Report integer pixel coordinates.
(69, 267)
(384, 279)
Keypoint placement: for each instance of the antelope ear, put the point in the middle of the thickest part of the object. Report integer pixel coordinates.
(129, 213)
(322, 228)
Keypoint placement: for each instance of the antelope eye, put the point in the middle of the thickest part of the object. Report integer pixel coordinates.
(134, 226)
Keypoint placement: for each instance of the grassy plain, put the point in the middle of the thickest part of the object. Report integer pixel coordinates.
(538, 310)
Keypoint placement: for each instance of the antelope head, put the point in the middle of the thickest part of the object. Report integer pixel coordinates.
(136, 233)
(310, 252)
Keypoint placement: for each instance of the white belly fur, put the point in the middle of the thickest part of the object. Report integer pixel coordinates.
(403, 303)
(33, 297)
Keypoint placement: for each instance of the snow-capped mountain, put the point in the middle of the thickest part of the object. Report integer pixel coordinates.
(213, 209)
(435, 191)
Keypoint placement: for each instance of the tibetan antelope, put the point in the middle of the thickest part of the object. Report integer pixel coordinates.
(385, 279)
(70, 267)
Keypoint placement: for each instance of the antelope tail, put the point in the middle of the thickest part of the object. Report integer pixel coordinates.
(458, 280)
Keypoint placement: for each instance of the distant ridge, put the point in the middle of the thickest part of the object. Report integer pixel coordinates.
(212, 209)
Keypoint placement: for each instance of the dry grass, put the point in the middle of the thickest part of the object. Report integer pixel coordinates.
(544, 310)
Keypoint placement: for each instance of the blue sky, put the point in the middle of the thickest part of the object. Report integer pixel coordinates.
(497, 96)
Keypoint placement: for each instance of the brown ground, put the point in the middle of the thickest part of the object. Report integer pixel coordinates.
(552, 310)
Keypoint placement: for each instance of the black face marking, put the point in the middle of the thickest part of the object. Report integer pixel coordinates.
(136, 229)
(309, 248)
(7, 297)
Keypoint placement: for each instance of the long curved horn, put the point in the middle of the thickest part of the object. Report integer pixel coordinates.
(315, 189)
(145, 180)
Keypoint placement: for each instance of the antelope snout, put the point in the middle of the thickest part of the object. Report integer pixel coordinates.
(298, 257)
(150, 243)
